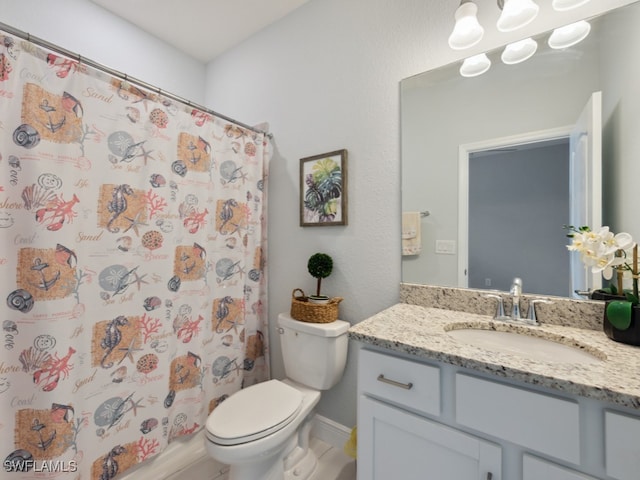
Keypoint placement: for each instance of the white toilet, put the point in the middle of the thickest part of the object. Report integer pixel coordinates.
(262, 431)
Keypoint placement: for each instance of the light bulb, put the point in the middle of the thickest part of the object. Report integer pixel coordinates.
(476, 65)
(519, 51)
(562, 5)
(516, 14)
(467, 31)
(569, 35)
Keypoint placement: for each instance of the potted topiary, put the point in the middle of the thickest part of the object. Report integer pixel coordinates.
(320, 265)
(316, 308)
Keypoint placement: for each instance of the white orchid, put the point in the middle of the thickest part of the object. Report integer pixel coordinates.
(602, 250)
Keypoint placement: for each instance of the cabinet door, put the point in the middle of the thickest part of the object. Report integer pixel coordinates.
(394, 443)
(622, 459)
(536, 469)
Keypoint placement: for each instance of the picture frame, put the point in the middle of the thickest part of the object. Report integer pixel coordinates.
(323, 189)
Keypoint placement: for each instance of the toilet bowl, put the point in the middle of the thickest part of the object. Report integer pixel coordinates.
(261, 453)
(262, 431)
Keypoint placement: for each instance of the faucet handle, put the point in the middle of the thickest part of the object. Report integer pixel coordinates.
(500, 308)
(516, 286)
(531, 314)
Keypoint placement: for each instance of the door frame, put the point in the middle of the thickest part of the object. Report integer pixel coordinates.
(464, 152)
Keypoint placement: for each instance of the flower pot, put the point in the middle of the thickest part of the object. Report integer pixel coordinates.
(622, 322)
(319, 299)
(604, 295)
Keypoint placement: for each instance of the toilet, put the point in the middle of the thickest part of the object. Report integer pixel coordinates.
(262, 431)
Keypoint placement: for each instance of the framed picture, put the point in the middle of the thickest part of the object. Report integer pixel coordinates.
(323, 189)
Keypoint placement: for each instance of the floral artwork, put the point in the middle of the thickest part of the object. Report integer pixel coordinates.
(323, 189)
(132, 253)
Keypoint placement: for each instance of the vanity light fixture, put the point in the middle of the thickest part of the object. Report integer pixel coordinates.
(562, 5)
(569, 35)
(476, 65)
(519, 51)
(467, 30)
(516, 14)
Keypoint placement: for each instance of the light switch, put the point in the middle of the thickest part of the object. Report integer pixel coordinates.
(446, 247)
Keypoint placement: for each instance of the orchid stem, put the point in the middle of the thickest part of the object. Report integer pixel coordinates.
(634, 273)
(620, 286)
(619, 274)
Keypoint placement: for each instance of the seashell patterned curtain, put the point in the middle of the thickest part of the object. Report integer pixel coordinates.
(132, 258)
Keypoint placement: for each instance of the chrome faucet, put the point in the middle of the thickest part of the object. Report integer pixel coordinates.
(516, 293)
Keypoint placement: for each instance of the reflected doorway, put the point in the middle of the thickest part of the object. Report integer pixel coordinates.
(584, 188)
(518, 202)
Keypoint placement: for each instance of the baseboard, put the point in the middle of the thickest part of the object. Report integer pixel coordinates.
(330, 432)
(188, 458)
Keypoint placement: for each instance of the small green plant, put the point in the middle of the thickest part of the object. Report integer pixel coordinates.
(320, 266)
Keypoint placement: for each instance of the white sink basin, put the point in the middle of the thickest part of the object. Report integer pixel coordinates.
(523, 345)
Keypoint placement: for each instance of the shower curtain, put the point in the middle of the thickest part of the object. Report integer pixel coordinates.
(132, 259)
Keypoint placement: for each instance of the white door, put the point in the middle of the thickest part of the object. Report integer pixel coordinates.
(586, 184)
(396, 444)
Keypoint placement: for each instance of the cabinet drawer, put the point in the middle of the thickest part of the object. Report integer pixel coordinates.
(398, 380)
(534, 468)
(537, 421)
(622, 448)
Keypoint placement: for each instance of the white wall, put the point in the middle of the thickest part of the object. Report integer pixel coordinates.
(621, 150)
(327, 77)
(92, 32)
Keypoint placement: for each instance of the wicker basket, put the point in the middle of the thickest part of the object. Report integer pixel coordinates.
(302, 309)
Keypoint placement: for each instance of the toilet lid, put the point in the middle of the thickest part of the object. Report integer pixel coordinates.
(253, 413)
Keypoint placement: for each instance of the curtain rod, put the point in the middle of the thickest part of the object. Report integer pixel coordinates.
(123, 76)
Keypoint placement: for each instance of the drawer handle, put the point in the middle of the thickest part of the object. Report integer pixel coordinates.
(406, 386)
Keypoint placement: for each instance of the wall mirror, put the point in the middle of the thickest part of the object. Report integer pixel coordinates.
(489, 158)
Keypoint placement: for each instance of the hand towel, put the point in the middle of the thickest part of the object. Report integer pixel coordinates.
(411, 237)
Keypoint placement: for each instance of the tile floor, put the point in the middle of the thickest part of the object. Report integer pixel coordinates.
(333, 464)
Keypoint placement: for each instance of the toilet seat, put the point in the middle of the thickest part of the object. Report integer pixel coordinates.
(253, 413)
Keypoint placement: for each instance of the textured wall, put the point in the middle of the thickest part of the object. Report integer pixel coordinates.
(90, 31)
(327, 77)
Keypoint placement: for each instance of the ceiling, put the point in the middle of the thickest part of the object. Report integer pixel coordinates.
(202, 29)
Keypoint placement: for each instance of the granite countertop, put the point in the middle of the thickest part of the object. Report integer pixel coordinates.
(613, 377)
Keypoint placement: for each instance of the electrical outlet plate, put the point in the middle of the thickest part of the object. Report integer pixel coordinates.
(446, 247)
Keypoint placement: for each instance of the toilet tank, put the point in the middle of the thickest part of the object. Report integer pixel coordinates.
(314, 354)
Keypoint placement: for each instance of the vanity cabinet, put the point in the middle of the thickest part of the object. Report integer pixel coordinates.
(423, 419)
